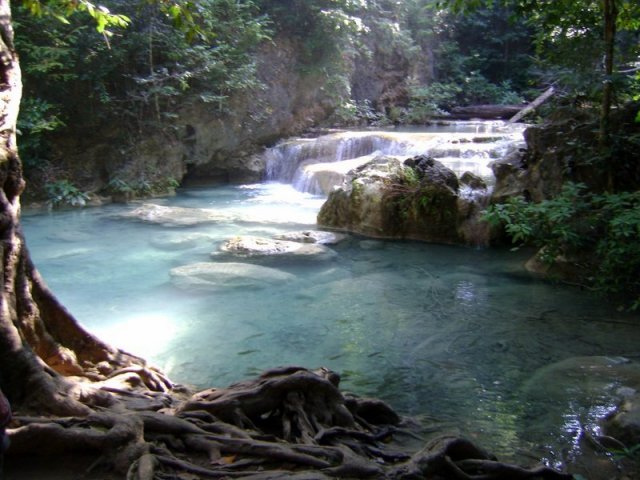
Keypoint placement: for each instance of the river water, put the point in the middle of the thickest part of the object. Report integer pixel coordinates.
(462, 338)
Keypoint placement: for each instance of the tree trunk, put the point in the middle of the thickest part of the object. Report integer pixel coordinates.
(610, 19)
(40, 342)
(485, 112)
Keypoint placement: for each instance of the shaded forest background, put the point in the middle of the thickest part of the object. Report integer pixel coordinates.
(375, 62)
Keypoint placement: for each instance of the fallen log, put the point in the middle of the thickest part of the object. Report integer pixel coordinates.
(485, 112)
(548, 93)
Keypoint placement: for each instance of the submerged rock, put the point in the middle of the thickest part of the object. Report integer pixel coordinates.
(587, 378)
(250, 246)
(624, 423)
(176, 216)
(222, 276)
(586, 390)
(70, 236)
(312, 236)
(180, 242)
(419, 199)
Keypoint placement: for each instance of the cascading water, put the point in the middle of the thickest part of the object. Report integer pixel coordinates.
(318, 165)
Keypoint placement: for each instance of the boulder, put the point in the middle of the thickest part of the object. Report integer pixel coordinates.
(584, 389)
(312, 236)
(323, 177)
(264, 248)
(223, 276)
(473, 181)
(510, 172)
(435, 172)
(418, 199)
(555, 154)
(624, 423)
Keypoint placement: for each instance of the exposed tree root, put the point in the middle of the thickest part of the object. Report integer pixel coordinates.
(288, 423)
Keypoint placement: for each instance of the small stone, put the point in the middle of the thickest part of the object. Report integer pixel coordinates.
(312, 236)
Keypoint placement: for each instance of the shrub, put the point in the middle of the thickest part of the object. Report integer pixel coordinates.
(63, 192)
(604, 228)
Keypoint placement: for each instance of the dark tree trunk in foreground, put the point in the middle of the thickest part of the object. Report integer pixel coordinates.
(72, 393)
(40, 342)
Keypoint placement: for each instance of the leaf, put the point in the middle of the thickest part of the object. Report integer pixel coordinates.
(61, 19)
(174, 11)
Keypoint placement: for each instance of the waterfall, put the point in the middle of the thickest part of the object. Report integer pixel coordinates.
(318, 165)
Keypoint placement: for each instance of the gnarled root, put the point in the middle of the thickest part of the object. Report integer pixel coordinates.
(287, 423)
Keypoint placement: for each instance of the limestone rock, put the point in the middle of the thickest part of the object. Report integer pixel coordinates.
(176, 216)
(258, 247)
(510, 173)
(624, 423)
(434, 171)
(383, 199)
(180, 242)
(222, 276)
(70, 236)
(357, 205)
(312, 236)
(473, 181)
(584, 389)
(323, 177)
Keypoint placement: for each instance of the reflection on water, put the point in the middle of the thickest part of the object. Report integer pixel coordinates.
(460, 337)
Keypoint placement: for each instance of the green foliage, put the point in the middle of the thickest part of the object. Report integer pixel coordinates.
(618, 248)
(475, 58)
(61, 10)
(426, 102)
(37, 118)
(118, 186)
(632, 453)
(322, 27)
(559, 225)
(603, 227)
(144, 73)
(570, 43)
(352, 113)
(489, 41)
(141, 186)
(63, 192)
(436, 99)
(410, 177)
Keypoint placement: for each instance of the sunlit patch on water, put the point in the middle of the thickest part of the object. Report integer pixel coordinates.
(146, 334)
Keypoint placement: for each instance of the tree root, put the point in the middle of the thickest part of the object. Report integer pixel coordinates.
(287, 423)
